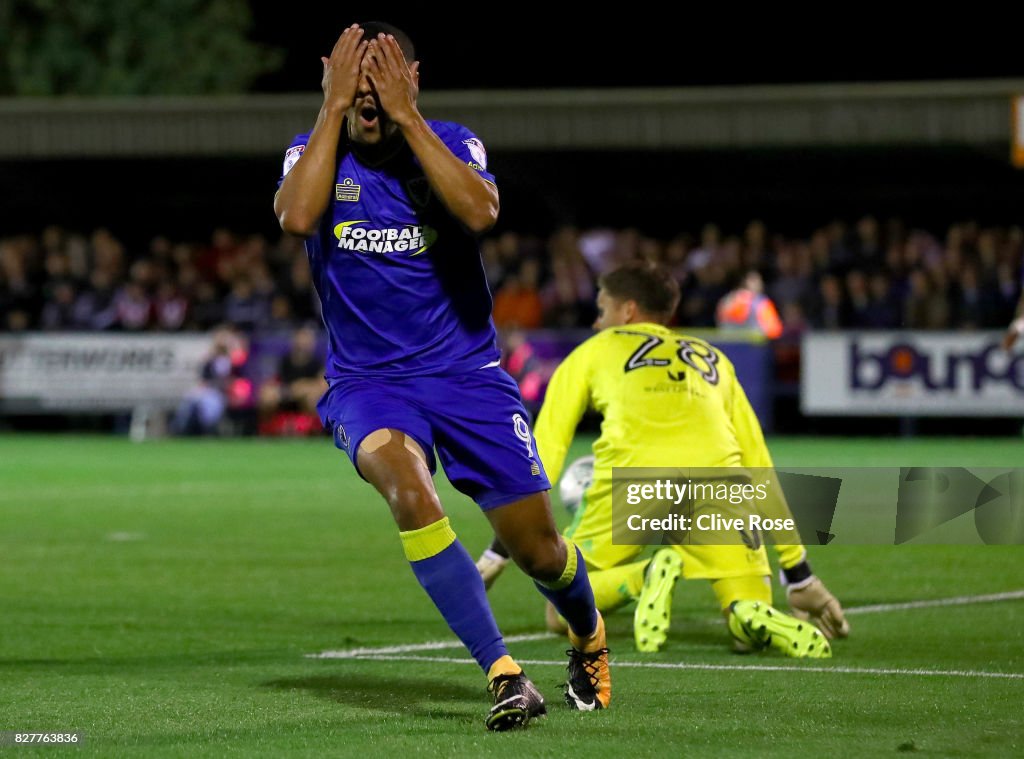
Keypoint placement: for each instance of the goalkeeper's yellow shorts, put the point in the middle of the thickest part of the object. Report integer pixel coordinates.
(591, 531)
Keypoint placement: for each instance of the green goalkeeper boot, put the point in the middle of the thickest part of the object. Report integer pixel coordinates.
(758, 626)
(653, 613)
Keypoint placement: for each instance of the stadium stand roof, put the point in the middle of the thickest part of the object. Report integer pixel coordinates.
(971, 113)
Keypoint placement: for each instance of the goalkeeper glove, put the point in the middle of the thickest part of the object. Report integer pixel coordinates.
(490, 565)
(809, 599)
(1013, 332)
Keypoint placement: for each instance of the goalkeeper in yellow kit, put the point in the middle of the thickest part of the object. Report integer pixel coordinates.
(696, 415)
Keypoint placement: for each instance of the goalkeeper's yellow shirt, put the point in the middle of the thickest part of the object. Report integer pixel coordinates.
(668, 400)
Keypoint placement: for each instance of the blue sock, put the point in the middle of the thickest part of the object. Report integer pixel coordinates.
(571, 594)
(447, 572)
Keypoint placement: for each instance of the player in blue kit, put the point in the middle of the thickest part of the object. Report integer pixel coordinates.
(391, 205)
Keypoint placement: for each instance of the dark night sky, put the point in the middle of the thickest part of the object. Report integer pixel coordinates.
(511, 45)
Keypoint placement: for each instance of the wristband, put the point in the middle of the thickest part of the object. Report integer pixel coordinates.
(797, 576)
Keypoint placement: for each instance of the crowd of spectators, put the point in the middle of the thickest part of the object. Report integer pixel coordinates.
(62, 281)
(861, 276)
(865, 275)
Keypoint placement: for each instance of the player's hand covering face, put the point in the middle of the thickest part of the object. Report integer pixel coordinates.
(394, 81)
(342, 69)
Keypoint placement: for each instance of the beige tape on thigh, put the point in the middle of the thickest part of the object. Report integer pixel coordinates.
(375, 440)
(417, 451)
(379, 438)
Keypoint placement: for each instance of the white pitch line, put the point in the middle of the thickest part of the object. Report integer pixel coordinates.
(441, 645)
(1011, 595)
(728, 667)
(434, 645)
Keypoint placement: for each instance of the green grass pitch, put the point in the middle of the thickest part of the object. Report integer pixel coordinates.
(162, 598)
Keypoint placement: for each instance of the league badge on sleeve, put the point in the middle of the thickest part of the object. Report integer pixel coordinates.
(476, 149)
(292, 155)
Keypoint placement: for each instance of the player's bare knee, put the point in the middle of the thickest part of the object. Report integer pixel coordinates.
(542, 560)
(414, 506)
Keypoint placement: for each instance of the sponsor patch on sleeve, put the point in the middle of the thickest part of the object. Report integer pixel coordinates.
(476, 149)
(292, 155)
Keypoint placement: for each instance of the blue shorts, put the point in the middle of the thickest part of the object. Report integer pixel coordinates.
(476, 420)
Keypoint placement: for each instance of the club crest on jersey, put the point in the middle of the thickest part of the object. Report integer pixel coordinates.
(360, 238)
(347, 191)
(476, 149)
(419, 191)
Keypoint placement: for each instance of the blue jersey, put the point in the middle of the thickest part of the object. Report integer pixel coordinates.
(400, 280)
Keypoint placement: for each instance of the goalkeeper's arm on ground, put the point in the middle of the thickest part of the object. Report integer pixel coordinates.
(807, 595)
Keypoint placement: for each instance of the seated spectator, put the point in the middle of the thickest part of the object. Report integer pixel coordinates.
(707, 251)
(791, 283)
(133, 308)
(858, 299)
(288, 401)
(244, 306)
(794, 320)
(884, 312)
(754, 253)
(215, 261)
(1006, 293)
(830, 310)
(569, 295)
(170, 307)
(699, 301)
(94, 306)
(925, 307)
(221, 387)
(866, 248)
(207, 307)
(518, 303)
(20, 299)
(974, 305)
(303, 302)
(59, 310)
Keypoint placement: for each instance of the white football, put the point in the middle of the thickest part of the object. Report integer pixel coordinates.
(575, 481)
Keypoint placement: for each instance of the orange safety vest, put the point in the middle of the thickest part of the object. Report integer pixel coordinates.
(750, 310)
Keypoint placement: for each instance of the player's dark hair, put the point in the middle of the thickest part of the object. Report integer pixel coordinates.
(372, 28)
(651, 286)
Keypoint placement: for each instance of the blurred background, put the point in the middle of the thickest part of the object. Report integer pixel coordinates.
(843, 213)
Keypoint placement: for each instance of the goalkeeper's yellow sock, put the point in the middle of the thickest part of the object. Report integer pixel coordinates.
(745, 588)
